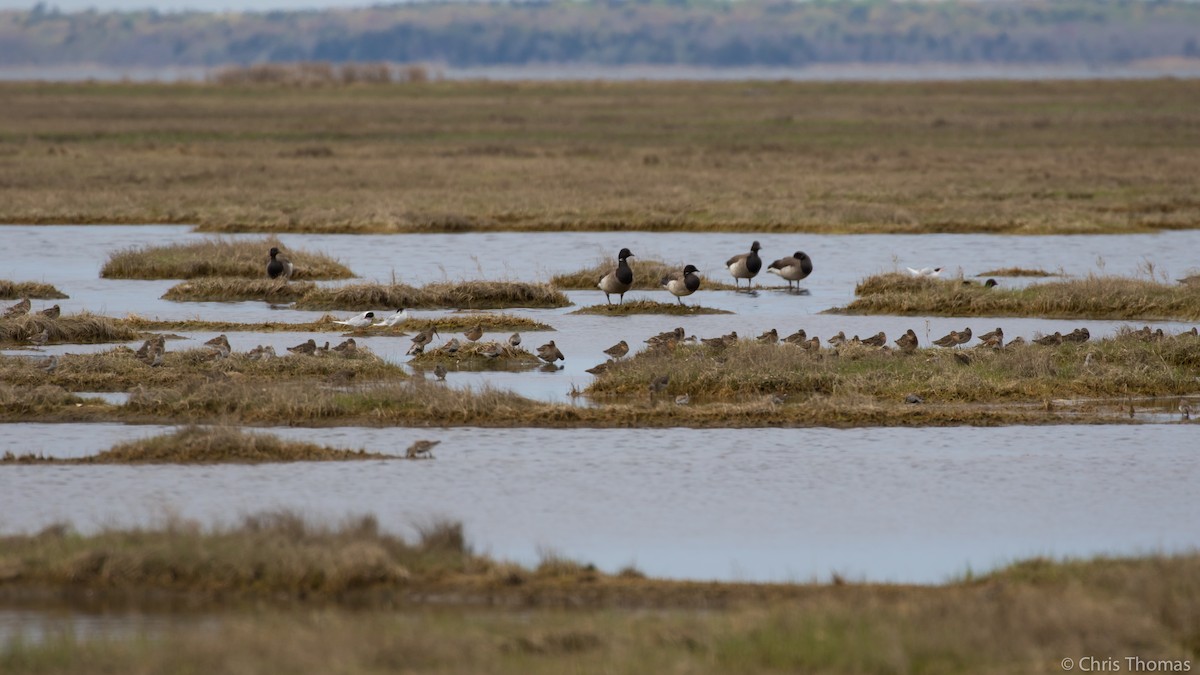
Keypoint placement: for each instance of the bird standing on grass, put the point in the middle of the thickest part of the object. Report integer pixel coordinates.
(618, 350)
(682, 283)
(308, 348)
(279, 266)
(220, 344)
(19, 309)
(439, 371)
(51, 312)
(40, 339)
(907, 342)
(361, 321)
(347, 346)
(620, 280)
(514, 340)
(745, 265)
(793, 268)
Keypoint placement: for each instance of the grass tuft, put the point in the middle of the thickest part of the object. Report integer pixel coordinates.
(209, 445)
(217, 257)
(649, 307)
(1093, 297)
(82, 328)
(234, 289)
(449, 324)
(440, 295)
(1017, 272)
(15, 290)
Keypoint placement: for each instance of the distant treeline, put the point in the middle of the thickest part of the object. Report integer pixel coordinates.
(617, 32)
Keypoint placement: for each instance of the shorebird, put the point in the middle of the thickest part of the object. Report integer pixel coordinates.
(618, 281)
(19, 309)
(1079, 336)
(907, 342)
(683, 399)
(452, 346)
(474, 332)
(439, 371)
(400, 316)
(491, 350)
(948, 340)
(220, 344)
(964, 336)
(41, 338)
(421, 339)
(420, 449)
(50, 365)
(51, 312)
(929, 272)
(792, 268)
(769, 337)
(1017, 342)
(308, 348)
(682, 283)
(279, 266)
(159, 355)
(1185, 410)
(348, 346)
(838, 339)
(665, 338)
(913, 399)
(813, 344)
(618, 350)
(600, 367)
(1050, 340)
(721, 342)
(658, 384)
(261, 353)
(514, 340)
(745, 265)
(549, 353)
(876, 340)
(799, 337)
(147, 349)
(993, 338)
(361, 321)
(325, 349)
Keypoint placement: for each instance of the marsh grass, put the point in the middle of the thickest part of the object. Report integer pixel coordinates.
(647, 275)
(82, 328)
(448, 323)
(649, 307)
(1121, 366)
(1093, 297)
(327, 599)
(217, 257)
(1018, 272)
(208, 445)
(470, 356)
(901, 157)
(233, 289)
(15, 290)
(439, 295)
(119, 369)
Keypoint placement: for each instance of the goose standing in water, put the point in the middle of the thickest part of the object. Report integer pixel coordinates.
(792, 268)
(279, 266)
(682, 283)
(620, 280)
(745, 265)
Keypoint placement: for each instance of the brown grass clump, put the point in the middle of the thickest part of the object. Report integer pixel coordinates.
(649, 307)
(440, 295)
(209, 445)
(1093, 297)
(15, 290)
(449, 324)
(120, 370)
(217, 257)
(234, 289)
(1121, 366)
(318, 74)
(647, 273)
(82, 328)
(1017, 272)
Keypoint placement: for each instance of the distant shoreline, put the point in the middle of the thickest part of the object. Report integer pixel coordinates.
(1183, 69)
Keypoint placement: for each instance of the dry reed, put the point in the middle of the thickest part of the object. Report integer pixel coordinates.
(440, 295)
(82, 328)
(15, 290)
(217, 257)
(649, 307)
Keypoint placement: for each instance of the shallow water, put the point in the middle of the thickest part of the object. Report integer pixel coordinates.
(908, 505)
(71, 257)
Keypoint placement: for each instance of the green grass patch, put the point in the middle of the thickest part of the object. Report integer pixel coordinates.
(649, 307)
(1093, 297)
(217, 257)
(15, 290)
(208, 445)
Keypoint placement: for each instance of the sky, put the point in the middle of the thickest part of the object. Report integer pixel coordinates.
(180, 5)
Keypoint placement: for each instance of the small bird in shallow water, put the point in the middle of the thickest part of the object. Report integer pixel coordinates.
(618, 350)
(19, 309)
(278, 266)
(1185, 410)
(308, 348)
(620, 280)
(51, 312)
(474, 332)
(514, 340)
(439, 371)
(361, 321)
(682, 283)
(793, 268)
(400, 316)
(745, 265)
(549, 353)
(421, 449)
(421, 339)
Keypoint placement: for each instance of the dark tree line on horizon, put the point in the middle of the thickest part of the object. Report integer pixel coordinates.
(618, 32)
